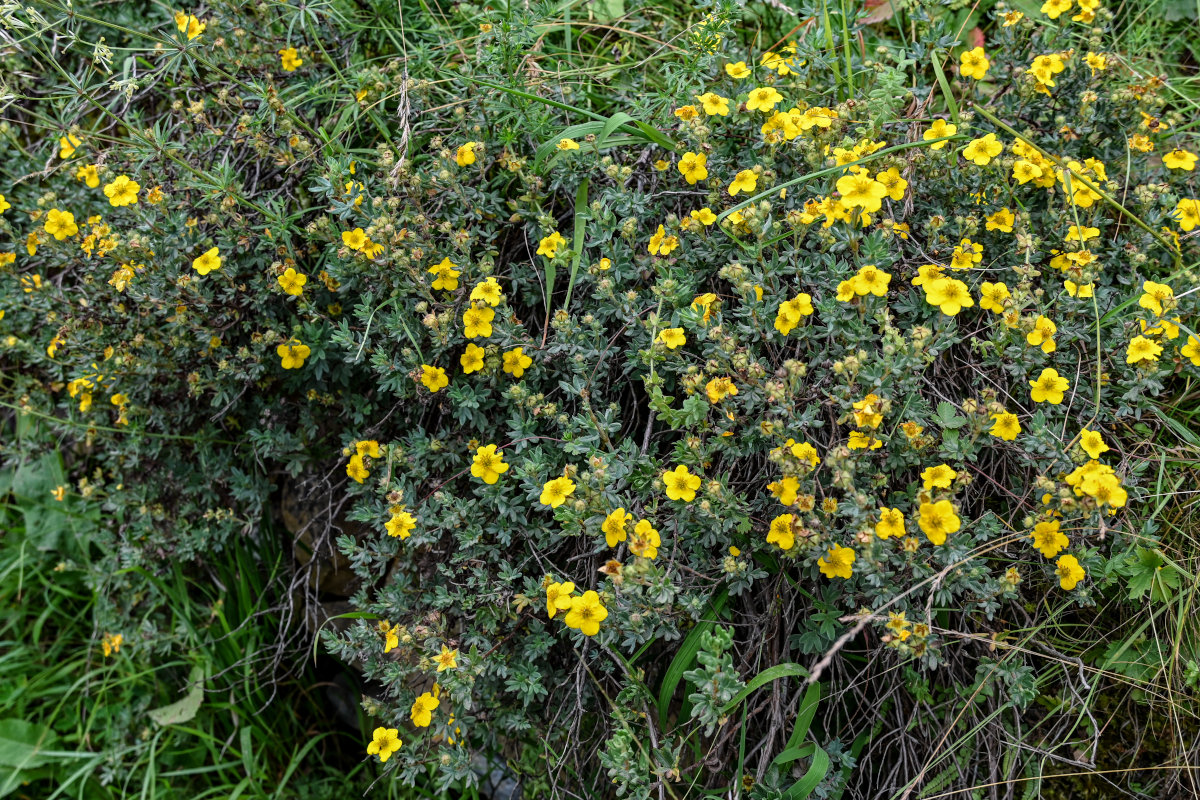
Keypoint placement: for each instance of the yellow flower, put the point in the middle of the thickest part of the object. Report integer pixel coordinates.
(1001, 221)
(477, 322)
(556, 492)
(1012, 18)
(354, 239)
(111, 643)
(948, 294)
(189, 25)
(1191, 350)
(718, 389)
(871, 280)
(704, 216)
(515, 362)
(1141, 142)
(558, 597)
(681, 484)
(891, 523)
(1049, 387)
(894, 184)
(289, 59)
(645, 540)
(938, 130)
(447, 659)
(67, 145)
(737, 70)
(391, 635)
(781, 532)
(817, 117)
(1188, 211)
(860, 190)
(423, 708)
(1069, 572)
(974, 63)
(60, 224)
(992, 296)
(982, 150)
(548, 246)
(862, 441)
(791, 311)
(614, 527)
(785, 490)
(472, 359)
(488, 464)
(489, 292)
(434, 378)
(763, 99)
(1044, 68)
(938, 519)
(1179, 159)
(661, 244)
(292, 354)
(88, 174)
(1142, 349)
(402, 524)
(1076, 290)
(1092, 443)
(940, 477)
(672, 337)
(693, 167)
(1042, 334)
(1006, 426)
(746, 181)
(586, 614)
(778, 62)
(704, 302)
(1156, 297)
(1074, 234)
(1048, 539)
(464, 156)
(565, 144)
(714, 104)
(838, 562)
(292, 282)
(1056, 8)
(447, 275)
(1025, 171)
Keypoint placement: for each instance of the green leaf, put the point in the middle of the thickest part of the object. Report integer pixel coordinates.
(1147, 571)
(686, 654)
(787, 670)
(22, 744)
(606, 10)
(947, 417)
(183, 710)
(945, 85)
(581, 215)
(804, 717)
(816, 773)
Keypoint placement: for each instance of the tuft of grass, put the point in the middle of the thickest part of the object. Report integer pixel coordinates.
(199, 701)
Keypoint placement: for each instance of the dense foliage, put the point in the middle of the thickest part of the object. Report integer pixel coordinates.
(629, 413)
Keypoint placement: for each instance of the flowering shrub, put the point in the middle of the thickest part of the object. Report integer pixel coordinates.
(832, 347)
